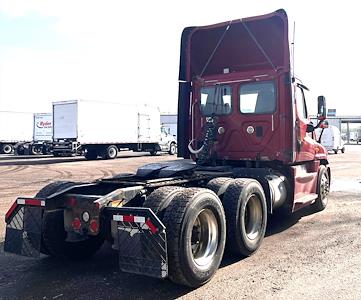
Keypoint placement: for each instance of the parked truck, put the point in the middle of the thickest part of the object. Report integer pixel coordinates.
(15, 127)
(330, 137)
(96, 128)
(42, 139)
(242, 118)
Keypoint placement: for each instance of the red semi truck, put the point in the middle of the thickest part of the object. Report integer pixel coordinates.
(242, 118)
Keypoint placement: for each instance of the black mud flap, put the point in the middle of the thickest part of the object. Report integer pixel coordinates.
(141, 240)
(23, 228)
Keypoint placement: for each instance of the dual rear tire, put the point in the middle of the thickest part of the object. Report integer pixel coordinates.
(195, 219)
(196, 232)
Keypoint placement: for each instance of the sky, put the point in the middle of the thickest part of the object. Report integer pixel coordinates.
(128, 51)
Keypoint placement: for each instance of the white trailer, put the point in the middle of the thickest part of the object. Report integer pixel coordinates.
(96, 128)
(330, 138)
(42, 136)
(15, 127)
(169, 123)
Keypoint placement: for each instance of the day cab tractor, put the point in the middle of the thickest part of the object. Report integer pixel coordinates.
(242, 119)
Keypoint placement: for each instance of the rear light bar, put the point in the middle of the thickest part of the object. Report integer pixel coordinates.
(136, 219)
(24, 201)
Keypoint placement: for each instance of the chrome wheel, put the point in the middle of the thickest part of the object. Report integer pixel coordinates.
(112, 152)
(253, 217)
(7, 149)
(324, 188)
(204, 240)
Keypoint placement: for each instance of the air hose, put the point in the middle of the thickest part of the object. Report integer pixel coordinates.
(204, 152)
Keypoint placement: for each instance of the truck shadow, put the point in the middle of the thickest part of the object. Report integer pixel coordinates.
(98, 278)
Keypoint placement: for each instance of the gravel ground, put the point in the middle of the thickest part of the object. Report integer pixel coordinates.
(310, 256)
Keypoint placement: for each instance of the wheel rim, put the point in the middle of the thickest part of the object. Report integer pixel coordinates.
(112, 152)
(204, 240)
(7, 149)
(253, 217)
(172, 149)
(324, 188)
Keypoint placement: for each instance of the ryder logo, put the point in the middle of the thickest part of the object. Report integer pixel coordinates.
(43, 124)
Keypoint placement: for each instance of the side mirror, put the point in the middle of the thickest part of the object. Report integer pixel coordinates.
(321, 112)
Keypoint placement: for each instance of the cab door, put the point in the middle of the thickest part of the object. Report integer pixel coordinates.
(305, 144)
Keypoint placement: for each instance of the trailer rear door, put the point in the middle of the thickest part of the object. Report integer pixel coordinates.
(65, 116)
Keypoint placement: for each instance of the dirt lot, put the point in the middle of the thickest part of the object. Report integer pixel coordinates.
(311, 256)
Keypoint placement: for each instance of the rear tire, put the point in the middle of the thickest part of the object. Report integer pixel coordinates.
(196, 232)
(35, 150)
(219, 185)
(47, 191)
(7, 148)
(245, 207)
(90, 154)
(110, 152)
(335, 150)
(54, 237)
(159, 199)
(343, 150)
(153, 152)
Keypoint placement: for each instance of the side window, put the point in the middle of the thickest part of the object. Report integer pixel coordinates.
(216, 100)
(301, 103)
(257, 98)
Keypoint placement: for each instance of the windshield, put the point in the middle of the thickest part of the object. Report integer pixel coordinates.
(216, 100)
(257, 98)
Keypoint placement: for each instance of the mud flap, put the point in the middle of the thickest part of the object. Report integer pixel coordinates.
(23, 228)
(141, 240)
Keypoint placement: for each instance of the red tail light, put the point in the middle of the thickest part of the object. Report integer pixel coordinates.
(94, 226)
(76, 224)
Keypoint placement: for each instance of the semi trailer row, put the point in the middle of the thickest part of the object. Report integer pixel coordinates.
(101, 129)
(249, 150)
(25, 132)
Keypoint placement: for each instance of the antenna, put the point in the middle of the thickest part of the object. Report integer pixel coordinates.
(293, 50)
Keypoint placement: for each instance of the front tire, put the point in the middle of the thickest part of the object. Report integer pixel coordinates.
(196, 232)
(323, 188)
(172, 149)
(246, 213)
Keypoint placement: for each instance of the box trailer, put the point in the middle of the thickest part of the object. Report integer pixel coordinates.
(96, 128)
(42, 139)
(15, 127)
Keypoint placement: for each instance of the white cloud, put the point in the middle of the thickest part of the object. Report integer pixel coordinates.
(129, 50)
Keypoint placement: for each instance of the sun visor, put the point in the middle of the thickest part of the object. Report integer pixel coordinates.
(259, 42)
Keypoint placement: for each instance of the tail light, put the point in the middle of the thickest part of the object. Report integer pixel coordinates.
(76, 224)
(94, 226)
